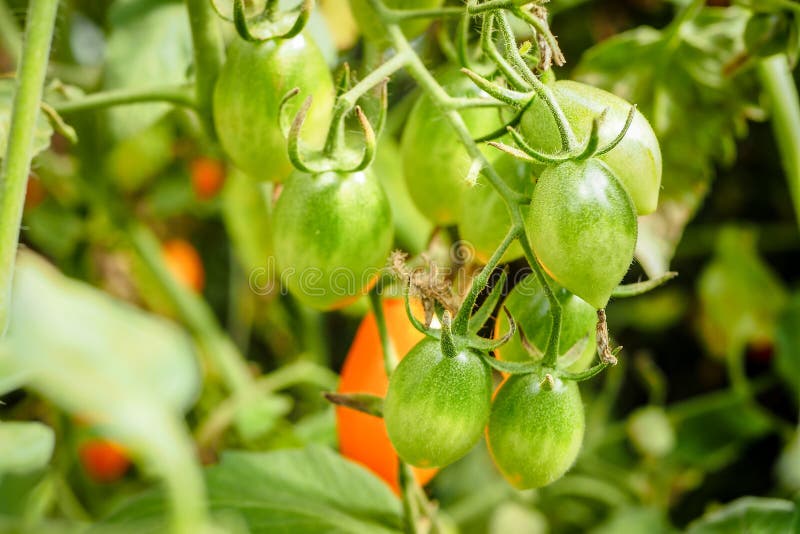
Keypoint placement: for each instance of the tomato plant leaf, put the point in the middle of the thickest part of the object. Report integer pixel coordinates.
(749, 514)
(149, 45)
(24, 446)
(296, 490)
(787, 345)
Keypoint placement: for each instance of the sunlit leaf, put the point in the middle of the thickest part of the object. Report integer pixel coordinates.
(24, 446)
(748, 514)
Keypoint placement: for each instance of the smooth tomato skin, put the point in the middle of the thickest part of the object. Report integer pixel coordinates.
(104, 461)
(362, 437)
(184, 263)
(636, 161)
(208, 177)
(534, 434)
(332, 233)
(484, 220)
(582, 227)
(372, 28)
(435, 163)
(531, 311)
(437, 406)
(247, 97)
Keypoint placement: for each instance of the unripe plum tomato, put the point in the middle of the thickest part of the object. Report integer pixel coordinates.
(435, 162)
(184, 263)
(535, 433)
(362, 437)
(208, 176)
(531, 310)
(582, 227)
(104, 461)
(247, 97)
(636, 161)
(437, 406)
(484, 220)
(372, 28)
(332, 233)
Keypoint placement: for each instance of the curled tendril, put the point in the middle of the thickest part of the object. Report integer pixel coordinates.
(294, 136)
(270, 23)
(593, 139)
(628, 121)
(493, 344)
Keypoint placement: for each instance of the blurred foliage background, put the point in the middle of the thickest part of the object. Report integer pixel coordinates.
(149, 328)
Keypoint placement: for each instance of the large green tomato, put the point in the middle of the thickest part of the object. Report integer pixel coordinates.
(636, 161)
(332, 234)
(373, 29)
(247, 98)
(582, 227)
(484, 220)
(535, 433)
(531, 310)
(435, 163)
(437, 406)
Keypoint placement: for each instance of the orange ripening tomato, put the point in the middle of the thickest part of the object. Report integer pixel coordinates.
(103, 461)
(184, 263)
(208, 176)
(362, 437)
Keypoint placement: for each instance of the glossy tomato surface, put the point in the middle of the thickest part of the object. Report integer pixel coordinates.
(251, 85)
(437, 406)
(332, 234)
(363, 437)
(636, 161)
(534, 433)
(582, 227)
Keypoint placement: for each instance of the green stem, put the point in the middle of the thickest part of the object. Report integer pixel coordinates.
(178, 95)
(461, 321)
(195, 313)
(779, 85)
(491, 5)
(347, 101)
(389, 354)
(19, 152)
(551, 351)
(9, 32)
(410, 507)
(209, 54)
(397, 15)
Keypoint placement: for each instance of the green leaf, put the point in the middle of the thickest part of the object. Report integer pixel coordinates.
(748, 514)
(150, 45)
(298, 490)
(787, 345)
(94, 339)
(24, 446)
(43, 131)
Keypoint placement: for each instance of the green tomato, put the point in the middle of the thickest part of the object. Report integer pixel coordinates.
(582, 227)
(531, 310)
(435, 163)
(484, 220)
(437, 406)
(535, 433)
(247, 98)
(332, 233)
(372, 28)
(636, 161)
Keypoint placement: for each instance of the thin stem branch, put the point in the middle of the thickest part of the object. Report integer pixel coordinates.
(387, 349)
(347, 101)
(209, 54)
(179, 95)
(776, 76)
(461, 321)
(551, 350)
(19, 152)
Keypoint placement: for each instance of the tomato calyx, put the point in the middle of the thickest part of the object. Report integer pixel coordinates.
(270, 23)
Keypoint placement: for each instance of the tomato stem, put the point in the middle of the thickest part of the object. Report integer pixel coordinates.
(347, 101)
(776, 76)
(387, 349)
(209, 54)
(551, 350)
(179, 95)
(19, 152)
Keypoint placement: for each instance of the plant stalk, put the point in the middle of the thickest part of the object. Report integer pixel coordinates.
(19, 152)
